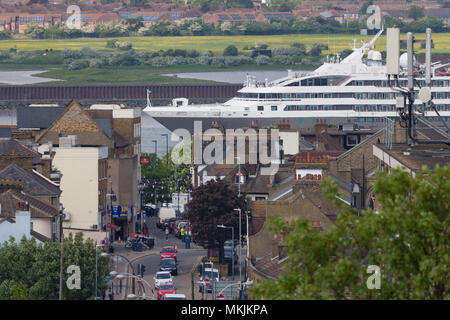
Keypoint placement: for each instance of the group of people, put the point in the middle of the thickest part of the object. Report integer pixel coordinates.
(183, 232)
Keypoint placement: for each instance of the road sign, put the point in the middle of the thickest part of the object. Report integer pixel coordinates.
(207, 282)
(220, 297)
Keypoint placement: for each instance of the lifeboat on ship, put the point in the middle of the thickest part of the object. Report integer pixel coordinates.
(443, 72)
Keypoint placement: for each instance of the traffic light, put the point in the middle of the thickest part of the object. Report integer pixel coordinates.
(141, 269)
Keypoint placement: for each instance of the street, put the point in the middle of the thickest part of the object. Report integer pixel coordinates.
(186, 258)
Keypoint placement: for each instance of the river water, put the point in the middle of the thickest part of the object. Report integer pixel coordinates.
(22, 77)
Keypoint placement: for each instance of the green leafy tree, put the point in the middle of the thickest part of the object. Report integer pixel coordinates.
(416, 12)
(31, 271)
(213, 204)
(407, 239)
(230, 51)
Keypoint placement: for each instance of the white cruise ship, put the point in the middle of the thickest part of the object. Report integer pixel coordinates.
(339, 91)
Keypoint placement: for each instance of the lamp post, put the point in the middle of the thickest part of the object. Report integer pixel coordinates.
(104, 254)
(61, 239)
(232, 248)
(239, 175)
(140, 280)
(140, 188)
(156, 147)
(112, 197)
(96, 269)
(240, 244)
(167, 147)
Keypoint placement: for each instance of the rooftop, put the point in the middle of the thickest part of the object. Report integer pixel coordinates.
(430, 155)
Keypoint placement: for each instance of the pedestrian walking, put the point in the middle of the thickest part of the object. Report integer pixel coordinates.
(111, 294)
(167, 233)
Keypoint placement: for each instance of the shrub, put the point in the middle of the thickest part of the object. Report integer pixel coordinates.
(288, 52)
(78, 64)
(96, 63)
(315, 50)
(204, 60)
(87, 52)
(262, 60)
(230, 51)
(283, 59)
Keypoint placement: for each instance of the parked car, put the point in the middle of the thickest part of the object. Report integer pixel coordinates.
(169, 252)
(162, 277)
(169, 264)
(167, 288)
(211, 275)
(173, 296)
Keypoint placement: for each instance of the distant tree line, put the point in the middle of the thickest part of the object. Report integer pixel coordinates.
(196, 27)
(125, 55)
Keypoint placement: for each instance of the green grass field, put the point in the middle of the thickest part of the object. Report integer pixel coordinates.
(336, 42)
(143, 74)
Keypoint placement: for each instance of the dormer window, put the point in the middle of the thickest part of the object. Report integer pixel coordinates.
(239, 178)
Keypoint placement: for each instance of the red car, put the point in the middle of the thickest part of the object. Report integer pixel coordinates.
(169, 252)
(164, 289)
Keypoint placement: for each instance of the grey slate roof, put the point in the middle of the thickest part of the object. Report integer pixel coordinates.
(11, 146)
(37, 117)
(105, 125)
(33, 183)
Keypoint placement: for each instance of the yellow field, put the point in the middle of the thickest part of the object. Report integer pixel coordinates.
(336, 42)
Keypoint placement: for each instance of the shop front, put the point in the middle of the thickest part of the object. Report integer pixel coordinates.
(122, 218)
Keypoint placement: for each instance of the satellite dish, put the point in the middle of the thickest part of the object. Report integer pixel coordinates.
(425, 94)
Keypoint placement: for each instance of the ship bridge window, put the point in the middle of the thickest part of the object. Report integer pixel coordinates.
(260, 108)
(293, 84)
(274, 108)
(314, 82)
(248, 95)
(294, 108)
(269, 96)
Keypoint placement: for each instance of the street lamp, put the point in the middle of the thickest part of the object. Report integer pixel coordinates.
(96, 269)
(167, 147)
(112, 197)
(140, 280)
(104, 254)
(240, 244)
(232, 248)
(141, 188)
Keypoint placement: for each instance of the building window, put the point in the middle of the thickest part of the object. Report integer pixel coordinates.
(352, 140)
